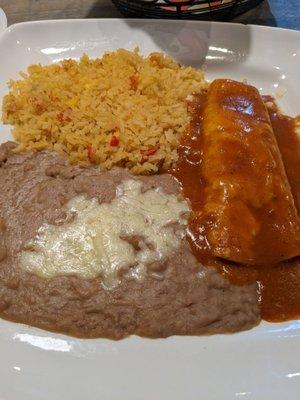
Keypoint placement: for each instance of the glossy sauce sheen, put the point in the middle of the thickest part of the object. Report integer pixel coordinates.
(279, 283)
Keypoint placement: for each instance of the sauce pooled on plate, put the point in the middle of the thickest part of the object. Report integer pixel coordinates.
(244, 218)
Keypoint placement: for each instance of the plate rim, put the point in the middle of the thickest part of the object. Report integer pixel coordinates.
(150, 21)
(267, 331)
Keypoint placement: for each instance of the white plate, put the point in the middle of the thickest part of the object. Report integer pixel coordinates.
(261, 364)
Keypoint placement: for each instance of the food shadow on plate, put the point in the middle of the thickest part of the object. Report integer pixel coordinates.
(193, 44)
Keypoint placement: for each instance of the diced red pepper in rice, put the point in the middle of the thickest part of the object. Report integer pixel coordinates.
(64, 116)
(114, 141)
(91, 152)
(149, 152)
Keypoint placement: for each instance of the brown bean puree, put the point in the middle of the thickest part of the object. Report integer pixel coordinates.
(177, 295)
(269, 252)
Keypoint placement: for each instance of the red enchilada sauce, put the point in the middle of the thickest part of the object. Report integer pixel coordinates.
(279, 283)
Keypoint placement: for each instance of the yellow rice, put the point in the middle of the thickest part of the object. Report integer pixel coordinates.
(121, 109)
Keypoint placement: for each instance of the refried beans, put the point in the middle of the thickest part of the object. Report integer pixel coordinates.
(177, 295)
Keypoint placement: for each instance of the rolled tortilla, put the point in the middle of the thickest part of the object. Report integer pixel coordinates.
(249, 213)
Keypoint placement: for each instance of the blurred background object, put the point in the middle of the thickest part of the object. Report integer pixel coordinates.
(282, 13)
(185, 9)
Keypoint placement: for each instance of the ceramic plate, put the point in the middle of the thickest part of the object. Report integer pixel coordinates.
(261, 364)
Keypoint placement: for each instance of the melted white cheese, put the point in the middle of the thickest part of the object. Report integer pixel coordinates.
(94, 243)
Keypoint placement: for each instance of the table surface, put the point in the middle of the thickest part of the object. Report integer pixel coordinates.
(282, 13)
